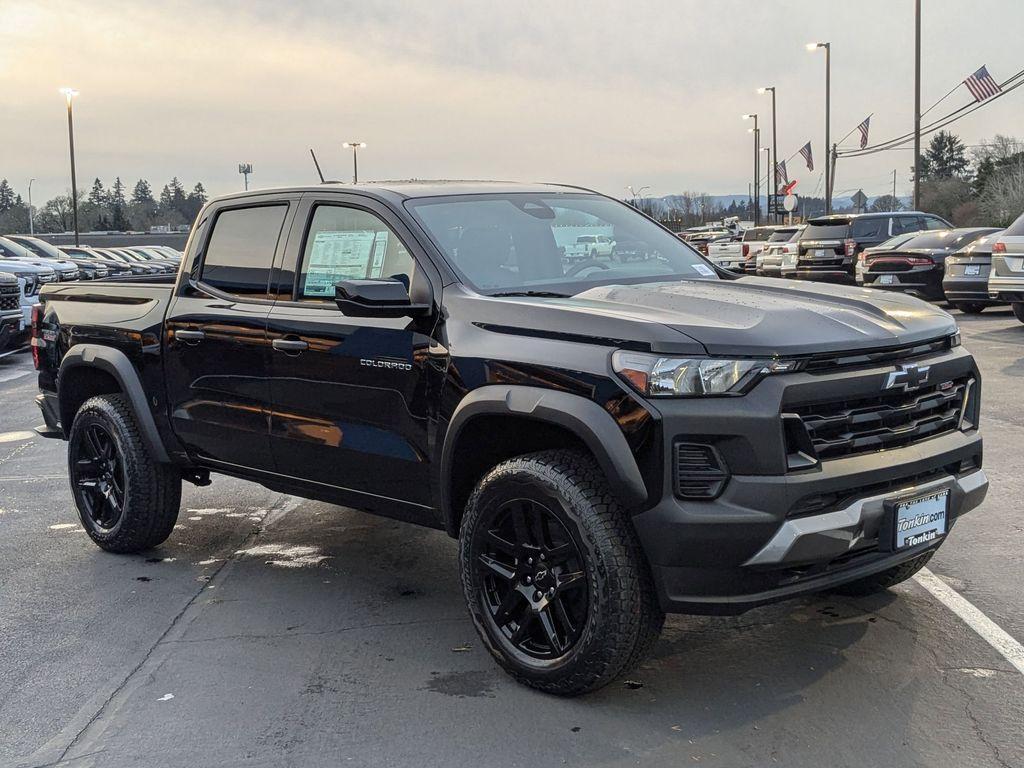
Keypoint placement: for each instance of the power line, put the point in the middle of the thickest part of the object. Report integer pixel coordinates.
(947, 119)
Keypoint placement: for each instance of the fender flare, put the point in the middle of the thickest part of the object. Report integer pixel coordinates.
(117, 364)
(584, 418)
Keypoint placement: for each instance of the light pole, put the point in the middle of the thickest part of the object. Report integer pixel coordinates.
(31, 224)
(757, 167)
(775, 149)
(828, 97)
(245, 169)
(69, 94)
(355, 146)
(917, 105)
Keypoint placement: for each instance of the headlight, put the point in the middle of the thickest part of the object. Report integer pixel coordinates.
(657, 376)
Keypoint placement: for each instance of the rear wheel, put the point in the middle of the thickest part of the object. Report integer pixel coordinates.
(880, 582)
(126, 501)
(970, 308)
(555, 579)
(1018, 311)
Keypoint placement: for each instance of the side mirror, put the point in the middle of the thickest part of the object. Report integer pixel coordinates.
(386, 297)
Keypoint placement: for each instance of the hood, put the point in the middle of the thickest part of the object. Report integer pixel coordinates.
(760, 316)
(17, 265)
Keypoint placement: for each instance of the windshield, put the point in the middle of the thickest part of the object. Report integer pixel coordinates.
(516, 243)
(782, 235)
(41, 247)
(11, 249)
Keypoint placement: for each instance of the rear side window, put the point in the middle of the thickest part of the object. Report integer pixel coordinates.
(241, 249)
(756, 234)
(1017, 228)
(871, 229)
(903, 224)
(782, 235)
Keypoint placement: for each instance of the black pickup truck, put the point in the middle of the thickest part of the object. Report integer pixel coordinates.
(608, 440)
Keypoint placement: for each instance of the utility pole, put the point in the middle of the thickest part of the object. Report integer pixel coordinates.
(69, 94)
(828, 112)
(917, 105)
(895, 202)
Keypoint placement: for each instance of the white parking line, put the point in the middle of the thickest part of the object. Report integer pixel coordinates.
(12, 375)
(989, 631)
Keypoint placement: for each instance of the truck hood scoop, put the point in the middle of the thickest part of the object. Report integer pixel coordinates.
(760, 316)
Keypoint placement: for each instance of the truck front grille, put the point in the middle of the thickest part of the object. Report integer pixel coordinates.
(9, 298)
(889, 420)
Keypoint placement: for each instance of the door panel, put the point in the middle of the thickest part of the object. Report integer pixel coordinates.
(218, 383)
(351, 410)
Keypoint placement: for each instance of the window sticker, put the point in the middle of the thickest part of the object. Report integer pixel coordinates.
(336, 256)
(704, 269)
(380, 247)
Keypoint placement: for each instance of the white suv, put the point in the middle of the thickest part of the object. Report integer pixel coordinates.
(1006, 278)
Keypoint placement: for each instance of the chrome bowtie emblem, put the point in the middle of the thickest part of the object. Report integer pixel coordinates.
(908, 377)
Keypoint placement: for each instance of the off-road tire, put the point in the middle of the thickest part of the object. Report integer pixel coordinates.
(152, 492)
(624, 618)
(880, 582)
(1018, 310)
(970, 308)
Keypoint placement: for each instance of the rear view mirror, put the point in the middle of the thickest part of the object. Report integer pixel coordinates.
(386, 297)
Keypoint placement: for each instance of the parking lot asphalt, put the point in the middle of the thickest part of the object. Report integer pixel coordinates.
(274, 631)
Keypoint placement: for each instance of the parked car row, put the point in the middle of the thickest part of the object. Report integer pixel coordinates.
(917, 253)
(27, 263)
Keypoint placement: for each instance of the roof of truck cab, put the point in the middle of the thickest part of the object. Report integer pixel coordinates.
(416, 188)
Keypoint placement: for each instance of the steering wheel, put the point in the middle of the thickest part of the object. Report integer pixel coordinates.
(583, 265)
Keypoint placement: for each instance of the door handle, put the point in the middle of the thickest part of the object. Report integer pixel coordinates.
(186, 335)
(291, 346)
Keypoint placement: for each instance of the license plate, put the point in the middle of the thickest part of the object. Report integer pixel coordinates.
(921, 520)
(972, 269)
(887, 279)
(819, 253)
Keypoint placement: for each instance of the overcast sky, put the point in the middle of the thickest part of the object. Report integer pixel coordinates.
(595, 93)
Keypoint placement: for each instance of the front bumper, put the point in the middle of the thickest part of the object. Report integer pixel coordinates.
(777, 531)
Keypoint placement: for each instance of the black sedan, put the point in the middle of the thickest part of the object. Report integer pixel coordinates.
(917, 266)
(966, 280)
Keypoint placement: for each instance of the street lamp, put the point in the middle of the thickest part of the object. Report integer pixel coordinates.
(828, 96)
(775, 149)
(355, 146)
(69, 94)
(757, 167)
(31, 225)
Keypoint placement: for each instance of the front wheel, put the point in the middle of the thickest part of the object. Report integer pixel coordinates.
(556, 582)
(127, 501)
(1018, 311)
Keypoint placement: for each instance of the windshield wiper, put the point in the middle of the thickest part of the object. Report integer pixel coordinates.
(535, 294)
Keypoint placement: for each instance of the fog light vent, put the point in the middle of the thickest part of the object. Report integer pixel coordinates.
(700, 472)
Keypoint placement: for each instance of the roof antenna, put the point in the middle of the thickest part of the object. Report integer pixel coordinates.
(318, 171)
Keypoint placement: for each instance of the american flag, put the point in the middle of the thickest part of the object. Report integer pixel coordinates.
(805, 150)
(780, 174)
(863, 128)
(981, 85)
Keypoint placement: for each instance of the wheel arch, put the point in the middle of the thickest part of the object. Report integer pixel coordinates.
(88, 370)
(553, 419)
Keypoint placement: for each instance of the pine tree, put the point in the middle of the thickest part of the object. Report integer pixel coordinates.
(118, 206)
(6, 196)
(97, 195)
(142, 193)
(946, 158)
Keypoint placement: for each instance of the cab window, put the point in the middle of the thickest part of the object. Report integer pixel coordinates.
(240, 251)
(349, 243)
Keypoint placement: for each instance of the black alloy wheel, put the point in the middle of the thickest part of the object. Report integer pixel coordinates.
(534, 586)
(98, 476)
